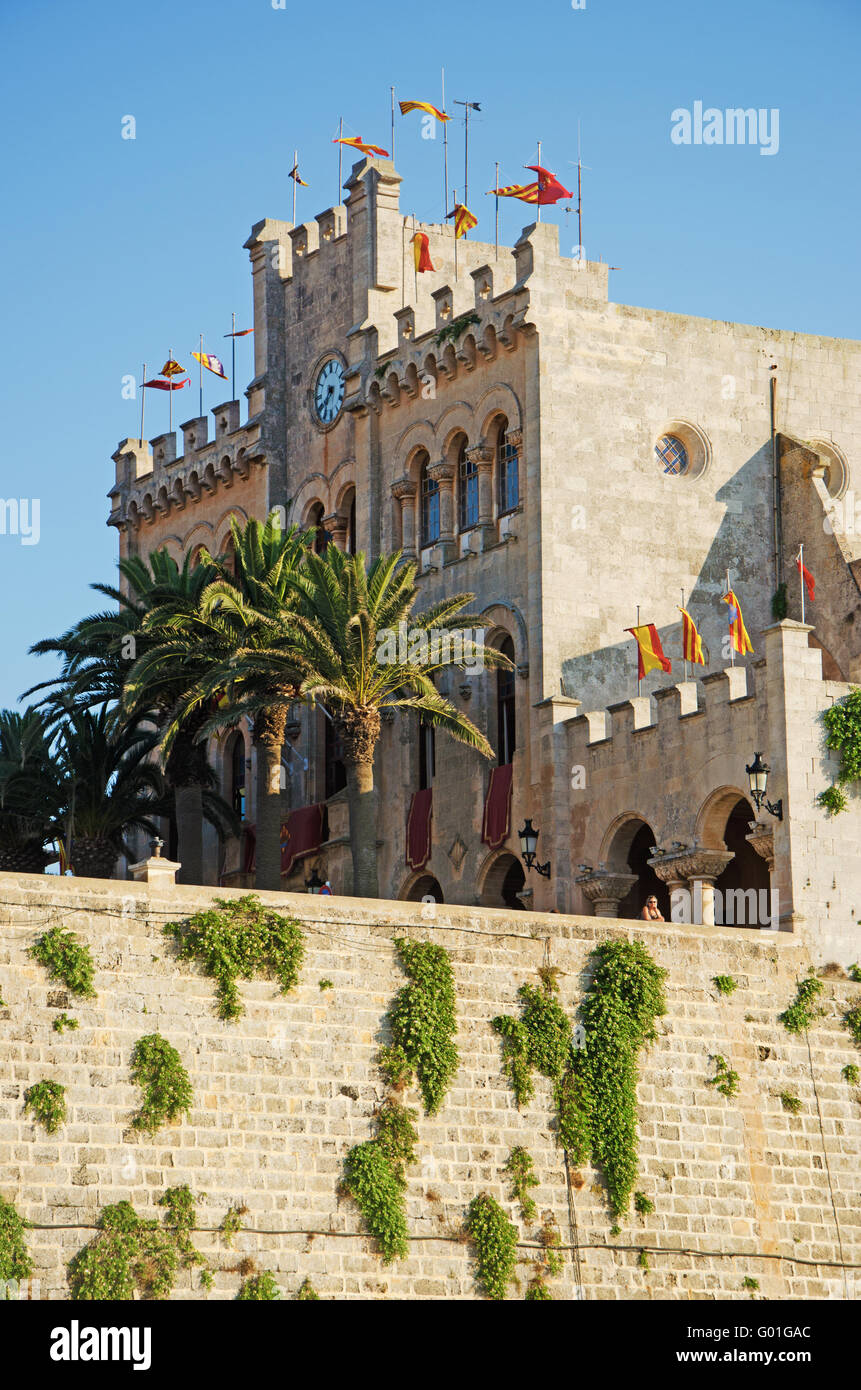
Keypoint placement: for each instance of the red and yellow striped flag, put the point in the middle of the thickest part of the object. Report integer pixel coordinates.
(421, 253)
(650, 651)
(464, 220)
(358, 143)
(692, 644)
(737, 630)
(526, 192)
(172, 368)
(407, 106)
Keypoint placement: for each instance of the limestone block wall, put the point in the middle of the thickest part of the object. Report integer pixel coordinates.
(741, 1187)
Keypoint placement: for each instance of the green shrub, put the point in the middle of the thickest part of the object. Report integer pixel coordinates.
(725, 984)
(519, 1168)
(801, 1013)
(495, 1242)
(157, 1068)
(15, 1261)
(47, 1100)
(423, 1023)
(128, 1255)
(237, 940)
(259, 1288)
(374, 1178)
(725, 1079)
(307, 1293)
(66, 960)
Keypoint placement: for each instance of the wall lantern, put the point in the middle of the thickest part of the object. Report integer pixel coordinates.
(757, 774)
(528, 844)
(315, 882)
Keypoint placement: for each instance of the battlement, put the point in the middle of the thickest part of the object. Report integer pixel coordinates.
(152, 480)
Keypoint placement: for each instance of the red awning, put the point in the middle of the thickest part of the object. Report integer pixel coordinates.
(497, 807)
(419, 829)
(301, 834)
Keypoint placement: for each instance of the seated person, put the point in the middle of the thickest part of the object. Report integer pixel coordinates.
(651, 912)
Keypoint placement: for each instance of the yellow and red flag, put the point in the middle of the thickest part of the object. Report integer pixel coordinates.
(407, 106)
(550, 190)
(294, 175)
(240, 333)
(737, 630)
(692, 645)
(358, 143)
(464, 220)
(650, 651)
(172, 368)
(526, 192)
(421, 253)
(211, 363)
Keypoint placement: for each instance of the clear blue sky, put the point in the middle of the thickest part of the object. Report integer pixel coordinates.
(113, 250)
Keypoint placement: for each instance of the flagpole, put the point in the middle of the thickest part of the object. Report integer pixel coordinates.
(143, 401)
(455, 238)
(684, 653)
(579, 196)
(295, 170)
(415, 266)
(393, 125)
(801, 577)
(731, 646)
(340, 154)
(466, 158)
(444, 148)
(538, 177)
(200, 367)
(497, 209)
(170, 394)
(638, 650)
(233, 354)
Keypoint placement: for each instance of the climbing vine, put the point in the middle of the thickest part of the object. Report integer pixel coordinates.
(231, 1223)
(157, 1068)
(519, 1168)
(181, 1218)
(452, 331)
(259, 1288)
(66, 959)
(724, 984)
(541, 1040)
(47, 1101)
(790, 1101)
(495, 1242)
(842, 722)
(549, 1263)
(63, 1021)
(725, 1079)
(423, 1023)
(374, 1178)
(801, 1012)
(852, 1021)
(15, 1262)
(851, 1074)
(240, 939)
(128, 1255)
(307, 1293)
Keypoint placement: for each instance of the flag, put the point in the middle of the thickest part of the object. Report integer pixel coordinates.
(526, 192)
(168, 385)
(738, 632)
(809, 581)
(692, 645)
(464, 220)
(240, 333)
(358, 144)
(421, 253)
(407, 106)
(650, 651)
(550, 190)
(172, 368)
(294, 175)
(211, 363)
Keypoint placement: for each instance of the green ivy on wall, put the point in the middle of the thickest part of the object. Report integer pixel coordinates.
(541, 1040)
(374, 1178)
(240, 939)
(801, 1012)
(842, 722)
(423, 1023)
(15, 1261)
(47, 1101)
(259, 1288)
(307, 1293)
(128, 1255)
(495, 1241)
(157, 1068)
(66, 960)
(519, 1168)
(725, 1079)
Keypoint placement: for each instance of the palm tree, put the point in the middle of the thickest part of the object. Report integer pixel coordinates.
(347, 612)
(224, 647)
(27, 792)
(98, 654)
(108, 785)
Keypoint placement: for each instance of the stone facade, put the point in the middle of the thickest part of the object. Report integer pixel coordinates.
(741, 1188)
(549, 378)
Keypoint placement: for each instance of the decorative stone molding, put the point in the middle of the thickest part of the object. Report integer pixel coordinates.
(606, 890)
(762, 840)
(515, 438)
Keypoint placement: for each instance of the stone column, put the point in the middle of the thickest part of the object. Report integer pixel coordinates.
(761, 837)
(443, 473)
(670, 874)
(704, 866)
(336, 525)
(606, 890)
(404, 489)
(482, 457)
(514, 437)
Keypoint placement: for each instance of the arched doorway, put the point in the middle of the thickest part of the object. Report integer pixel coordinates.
(425, 887)
(504, 880)
(742, 893)
(629, 852)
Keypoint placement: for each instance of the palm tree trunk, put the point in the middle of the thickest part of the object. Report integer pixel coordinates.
(362, 801)
(269, 737)
(189, 832)
(93, 857)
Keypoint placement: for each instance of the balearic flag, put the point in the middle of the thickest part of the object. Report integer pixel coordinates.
(464, 220)
(294, 175)
(358, 143)
(526, 192)
(211, 363)
(550, 190)
(650, 651)
(692, 645)
(172, 368)
(809, 581)
(407, 106)
(737, 630)
(167, 385)
(421, 253)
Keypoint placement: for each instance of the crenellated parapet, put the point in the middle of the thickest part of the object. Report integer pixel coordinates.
(152, 480)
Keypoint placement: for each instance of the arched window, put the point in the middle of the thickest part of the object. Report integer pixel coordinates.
(315, 524)
(505, 707)
(507, 471)
(429, 490)
(467, 489)
(235, 769)
(427, 755)
(228, 555)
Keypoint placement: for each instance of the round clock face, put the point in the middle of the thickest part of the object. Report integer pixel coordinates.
(329, 391)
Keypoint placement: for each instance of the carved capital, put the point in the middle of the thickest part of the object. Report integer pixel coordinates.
(403, 487)
(606, 890)
(443, 471)
(481, 455)
(762, 840)
(696, 863)
(515, 439)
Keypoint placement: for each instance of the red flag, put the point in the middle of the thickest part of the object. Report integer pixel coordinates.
(421, 253)
(550, 190)
(240, 333)
(809, 581)
(168, 385)
(359, 144)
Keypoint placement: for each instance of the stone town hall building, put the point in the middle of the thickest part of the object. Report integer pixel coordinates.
(566, 459)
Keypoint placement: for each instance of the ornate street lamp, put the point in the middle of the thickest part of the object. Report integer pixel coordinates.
(528, 837)
(757, 774)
